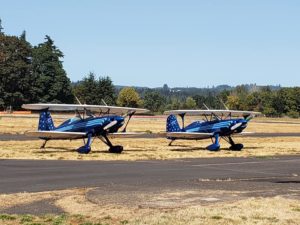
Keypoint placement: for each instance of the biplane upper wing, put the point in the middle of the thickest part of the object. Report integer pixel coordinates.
(188, 135)
(216, 112)
(56, 134)
(93, 108)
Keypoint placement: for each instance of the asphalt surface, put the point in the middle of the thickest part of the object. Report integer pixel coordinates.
(279, 174)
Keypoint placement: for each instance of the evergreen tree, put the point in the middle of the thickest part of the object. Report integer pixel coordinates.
(15, 71)
(92, 91)
(1, 28)
(153, 101)
(106, 91)
(85, 90)
(53, 85)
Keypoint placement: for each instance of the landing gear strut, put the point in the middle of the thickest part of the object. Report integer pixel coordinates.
(44, 144)
(112, 148)
(170, 144)
(87, 147)
(214, 146)
(234, 146)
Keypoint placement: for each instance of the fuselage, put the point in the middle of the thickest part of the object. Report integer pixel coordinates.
(222, 127)
(92, 125)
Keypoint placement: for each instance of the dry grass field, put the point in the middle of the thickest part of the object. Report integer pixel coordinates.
(143, 149)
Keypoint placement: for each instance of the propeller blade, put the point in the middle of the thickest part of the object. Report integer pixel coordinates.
(236, 126)
(111, 124)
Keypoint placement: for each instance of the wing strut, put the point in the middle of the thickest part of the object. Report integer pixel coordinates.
(182, 118)
(130, 114)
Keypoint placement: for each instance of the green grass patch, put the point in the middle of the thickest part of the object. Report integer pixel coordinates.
(217, 217)
(59, 220)
(26, 219)
(7, 217)
(297, 209)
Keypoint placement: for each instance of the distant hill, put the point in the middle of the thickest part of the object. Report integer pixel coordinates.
(190, 91)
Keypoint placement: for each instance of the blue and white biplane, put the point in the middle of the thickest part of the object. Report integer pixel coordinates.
(89, 122)
(217, 124)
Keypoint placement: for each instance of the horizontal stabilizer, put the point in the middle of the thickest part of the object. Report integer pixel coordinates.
(188, 135)
(55, 134)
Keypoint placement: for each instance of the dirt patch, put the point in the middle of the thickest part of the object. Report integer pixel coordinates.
(41, 207)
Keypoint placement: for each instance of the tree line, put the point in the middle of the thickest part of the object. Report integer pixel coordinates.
(272, 102)
(30, 74)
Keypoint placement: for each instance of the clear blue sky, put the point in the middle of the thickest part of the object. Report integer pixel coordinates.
(181, 43)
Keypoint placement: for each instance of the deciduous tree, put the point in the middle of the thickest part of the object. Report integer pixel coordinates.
(129, 97)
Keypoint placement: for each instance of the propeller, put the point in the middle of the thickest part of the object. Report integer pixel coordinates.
(111, 124)
(236, 126)
(249, 117)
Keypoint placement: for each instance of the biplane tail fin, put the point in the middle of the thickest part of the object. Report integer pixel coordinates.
(45, 122)
(172, 124)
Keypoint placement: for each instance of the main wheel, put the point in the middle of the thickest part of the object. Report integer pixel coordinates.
(213, 147)
(236, 147)
(84, 149)
(116, 149)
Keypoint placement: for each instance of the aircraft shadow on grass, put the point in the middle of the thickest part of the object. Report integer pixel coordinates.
(186, 148)
(288, 182)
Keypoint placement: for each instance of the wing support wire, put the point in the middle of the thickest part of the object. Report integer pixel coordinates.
(211, 115)
(103, 112)
(77, 114)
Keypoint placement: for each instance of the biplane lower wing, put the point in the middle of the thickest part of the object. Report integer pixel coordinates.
(188, 135)
(126, 135)
(56, 134)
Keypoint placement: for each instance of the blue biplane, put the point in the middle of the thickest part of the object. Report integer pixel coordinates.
(85, 125)
(217, 124)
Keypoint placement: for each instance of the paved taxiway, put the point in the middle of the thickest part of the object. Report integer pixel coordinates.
(278, 175)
